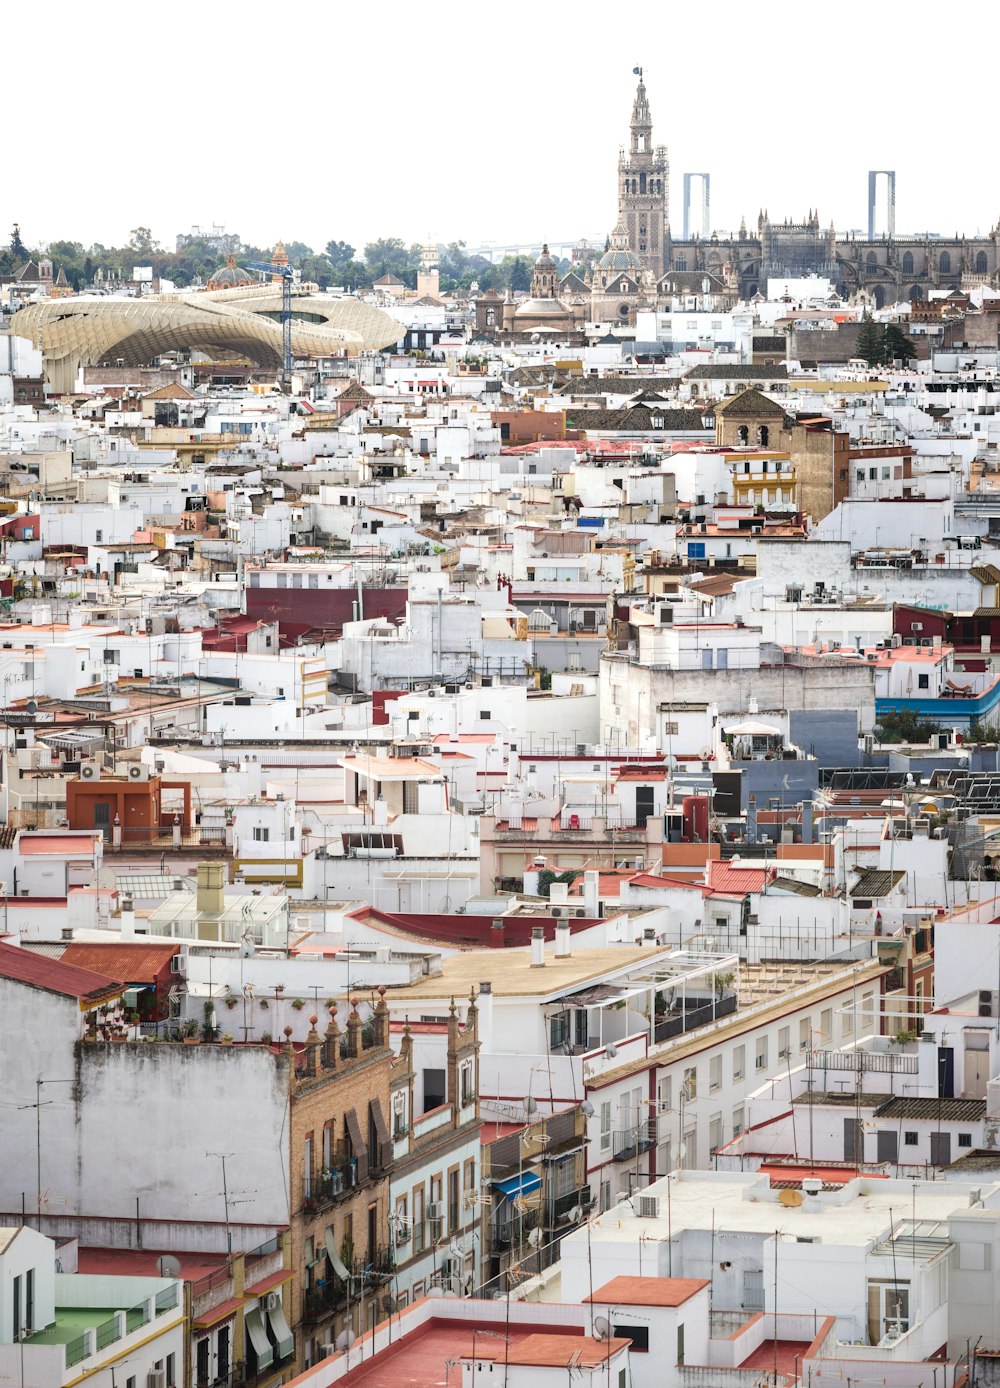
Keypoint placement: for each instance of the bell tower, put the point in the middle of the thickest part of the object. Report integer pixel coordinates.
(644, 187)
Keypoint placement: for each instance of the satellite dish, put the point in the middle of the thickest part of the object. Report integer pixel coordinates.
(168, 1266)
(345, 1339)
(535, 1237)
(31, 706)
(575, 1213)
(791, 1199)
(602, 1327)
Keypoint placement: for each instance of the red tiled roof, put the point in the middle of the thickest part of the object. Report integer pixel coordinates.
(222, 1312)
(52, 975)
(733, 877)
(648, 1291)
(555, 1351)
(138, 963)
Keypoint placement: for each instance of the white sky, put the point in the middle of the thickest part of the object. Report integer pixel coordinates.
(478, 121)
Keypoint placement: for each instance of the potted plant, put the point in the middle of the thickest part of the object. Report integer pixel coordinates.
(267, 1038)
(189, 1033)
(231, 1001)
(298, 1004)
(227, 1040)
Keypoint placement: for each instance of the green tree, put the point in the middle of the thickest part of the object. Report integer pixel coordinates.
(871, 341)
(897, 345)
(297, 251)
(339, 252)
(520, 275)
(390, 256)
(17, 247)
(352, 275)
(140, 240)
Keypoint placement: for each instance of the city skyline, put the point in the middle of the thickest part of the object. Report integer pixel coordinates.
(443, 152)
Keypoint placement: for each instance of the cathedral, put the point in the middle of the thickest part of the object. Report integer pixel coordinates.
(644, 267)
(887, 269)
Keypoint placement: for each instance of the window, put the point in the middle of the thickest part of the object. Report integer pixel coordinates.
(605, 1125)
(307, 1164)
(671, 729)
(761, 1054)
(738, 1120)
(911, 1138)
(714, 1073)
(784, 1044)
(964, 1140)
(923, 681)
(467, 1085)
(558, 1030)
(739, 1062)
(484, 715)
(803, 1033)
(171, 1376)
(691, 1082)
(261, 835)
(680, 1344)
(826, 1024)
(470, 1174)
(638, 1334)
(663, 1093)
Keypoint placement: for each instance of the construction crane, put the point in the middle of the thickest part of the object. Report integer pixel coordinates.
(287, 275)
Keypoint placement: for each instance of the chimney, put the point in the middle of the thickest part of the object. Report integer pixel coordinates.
(380, 812)
(127, 919)
(559, 893)
(211, 889)
(591, 893)
(562, 939)
(498, 933)
(537, 947)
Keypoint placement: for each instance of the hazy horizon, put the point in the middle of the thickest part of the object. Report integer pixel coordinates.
(485, 126)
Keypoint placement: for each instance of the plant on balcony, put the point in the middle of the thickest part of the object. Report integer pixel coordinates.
(903, 1037)
(722, 983)
(266, 1038)
(227, 1040)
(231, 1002)
(189, 1032)
(298, 1004)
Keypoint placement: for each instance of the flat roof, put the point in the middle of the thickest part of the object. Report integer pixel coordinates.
(856, 1215)
(511, 973)
(649, 1291)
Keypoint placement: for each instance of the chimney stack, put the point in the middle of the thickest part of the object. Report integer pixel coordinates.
(537, 947)
(562, 939)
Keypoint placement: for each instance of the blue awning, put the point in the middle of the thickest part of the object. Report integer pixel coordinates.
(518, 1185)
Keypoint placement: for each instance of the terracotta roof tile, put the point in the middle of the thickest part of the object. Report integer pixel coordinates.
(648, 1291)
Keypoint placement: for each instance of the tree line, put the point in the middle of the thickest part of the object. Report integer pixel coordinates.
(338, 264)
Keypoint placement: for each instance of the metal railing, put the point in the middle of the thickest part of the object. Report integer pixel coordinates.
(76, 1350)
(631, 1142)
(107, 1333)
(166, 1300)
(691, 1017)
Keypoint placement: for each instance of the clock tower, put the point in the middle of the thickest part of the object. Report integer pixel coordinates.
(644, 188)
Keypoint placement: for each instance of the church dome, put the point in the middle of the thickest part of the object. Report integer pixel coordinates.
(619, 258)
(545, 261)
(230, 275)
(540, 308)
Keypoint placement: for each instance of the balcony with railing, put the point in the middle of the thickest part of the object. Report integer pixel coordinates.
(558, 1210)
(630, 1143)
(693, 1013)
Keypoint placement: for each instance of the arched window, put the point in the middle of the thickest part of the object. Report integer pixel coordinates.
(981, 263)
(916, 293)
(871, 260)
(907, 263)
(762, 436)
(743, 434)
(944, 263)
(680, 262)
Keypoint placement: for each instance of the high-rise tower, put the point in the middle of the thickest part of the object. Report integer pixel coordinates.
(644, 188)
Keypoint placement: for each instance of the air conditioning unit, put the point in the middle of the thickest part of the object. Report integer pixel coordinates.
(178, 965)
(649, 1207)
(156, 1378)
(90, 773)
(916, 626)
(327, 1349)
(272, 1301)
(138, 773)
